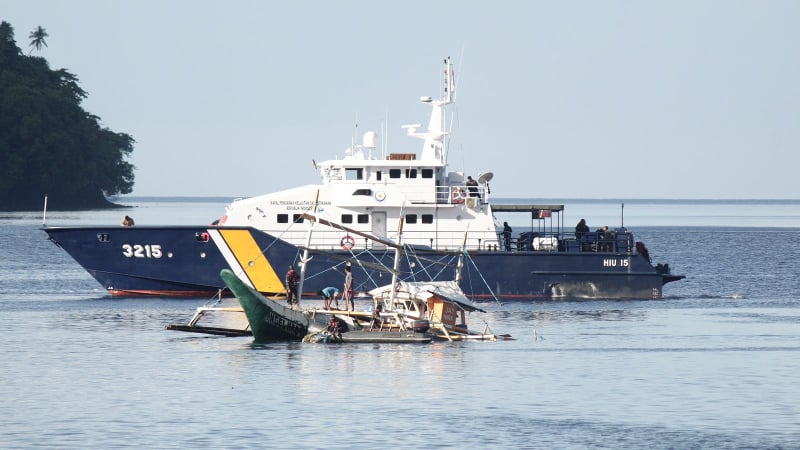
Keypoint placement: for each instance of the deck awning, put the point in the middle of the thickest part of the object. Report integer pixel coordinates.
(525, 208)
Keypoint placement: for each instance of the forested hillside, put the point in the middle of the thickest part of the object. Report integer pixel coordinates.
(48, 144)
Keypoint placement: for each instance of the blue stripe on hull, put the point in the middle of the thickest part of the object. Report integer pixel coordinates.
(188, 266)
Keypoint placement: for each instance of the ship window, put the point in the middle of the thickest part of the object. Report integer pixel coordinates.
(354, 174)
(378, 175)
(411, 218)
(411, 173)
(347, 218)
(394, 173)
(367, 192)
(283, 218)
(427, 218)
(427, 173)
(297, 218)
(363, 218)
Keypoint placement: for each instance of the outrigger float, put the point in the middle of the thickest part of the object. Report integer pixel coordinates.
(204, 311)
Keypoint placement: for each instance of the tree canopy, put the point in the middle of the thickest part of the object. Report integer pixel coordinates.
(48, 144)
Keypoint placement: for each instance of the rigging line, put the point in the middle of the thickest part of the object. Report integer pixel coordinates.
(427, 268)
(446, 266)
(469, 258)
(440, 254)
(358, 261)
(424, 268)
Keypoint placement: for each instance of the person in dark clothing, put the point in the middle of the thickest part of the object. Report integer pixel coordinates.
(472, 186)
(507, 236)
(581, 229)
(602, 235)
(336, 327)
(291, 287)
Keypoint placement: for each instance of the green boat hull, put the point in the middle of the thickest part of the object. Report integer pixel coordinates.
(270, 321)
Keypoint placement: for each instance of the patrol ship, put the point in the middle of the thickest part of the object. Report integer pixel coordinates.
(406, 197)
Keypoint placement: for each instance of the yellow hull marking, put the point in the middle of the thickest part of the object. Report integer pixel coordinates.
(255, 265)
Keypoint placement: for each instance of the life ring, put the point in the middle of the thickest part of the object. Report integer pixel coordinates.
(347, 242)
(457, 196)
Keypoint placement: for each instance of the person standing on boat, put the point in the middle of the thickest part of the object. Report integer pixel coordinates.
(291, 287)
(472, 186)
(347, 295)
(602, 236)
(581, 229)
(507, 236)
(127, 221)
(329, 295)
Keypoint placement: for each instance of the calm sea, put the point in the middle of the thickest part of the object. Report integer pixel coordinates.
(716, 364)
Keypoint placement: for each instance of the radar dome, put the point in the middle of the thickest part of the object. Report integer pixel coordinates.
(370, 139)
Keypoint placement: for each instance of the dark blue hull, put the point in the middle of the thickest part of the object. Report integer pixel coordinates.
(186, 261)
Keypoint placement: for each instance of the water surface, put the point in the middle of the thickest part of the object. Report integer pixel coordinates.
(713, 365)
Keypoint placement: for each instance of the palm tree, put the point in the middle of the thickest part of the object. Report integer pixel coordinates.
(37, 38)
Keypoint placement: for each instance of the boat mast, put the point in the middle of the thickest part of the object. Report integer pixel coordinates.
(44, 213)
(305, 258)
(460, 264)
(434, 149)
(396, 266)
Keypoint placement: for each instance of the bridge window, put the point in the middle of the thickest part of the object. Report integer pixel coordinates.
(283, 218)
(427, 173)
(347, 218)
(367, 192)
(394, 173)
(427, 218)
(363, 218)
(411, 173)
(297, 218)
(411, 218)
(353, 174)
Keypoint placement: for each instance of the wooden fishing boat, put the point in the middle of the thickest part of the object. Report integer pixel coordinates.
(401, 312)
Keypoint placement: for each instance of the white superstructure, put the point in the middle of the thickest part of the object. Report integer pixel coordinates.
(370, 193)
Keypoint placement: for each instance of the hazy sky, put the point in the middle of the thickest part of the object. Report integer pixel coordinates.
(582, 99)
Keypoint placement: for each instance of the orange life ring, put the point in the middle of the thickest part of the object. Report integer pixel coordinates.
(347, 242)
(458, 195)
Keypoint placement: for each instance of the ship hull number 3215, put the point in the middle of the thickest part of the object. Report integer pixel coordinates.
(141, 251)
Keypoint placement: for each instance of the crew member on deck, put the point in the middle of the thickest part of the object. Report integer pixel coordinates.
(336, 327)
(472, 186)
(291, 287)
(582, 230)
(507, 236)
(347, 295)
(602, 235)
(127, 221)
(329, 295)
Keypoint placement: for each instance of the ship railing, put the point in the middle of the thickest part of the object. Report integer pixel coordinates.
(441, 241)
(615, 241)
(460, 194)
